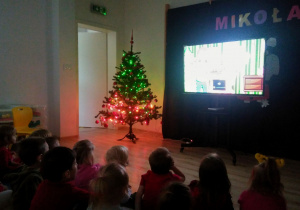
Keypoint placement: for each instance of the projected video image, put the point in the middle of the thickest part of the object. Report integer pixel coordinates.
(225, 68)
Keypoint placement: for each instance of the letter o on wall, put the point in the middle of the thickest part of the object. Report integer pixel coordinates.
(260, 17)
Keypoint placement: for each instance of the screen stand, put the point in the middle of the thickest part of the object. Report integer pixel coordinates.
(215, 124)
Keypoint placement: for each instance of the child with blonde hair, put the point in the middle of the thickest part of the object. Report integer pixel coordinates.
(117, 154)
(265, 191)
(109, 188)
(161, 163)
(87, 169)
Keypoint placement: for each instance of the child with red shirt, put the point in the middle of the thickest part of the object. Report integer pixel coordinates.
(154, 180)
(8, 135)
(265, 190)
(57, 191)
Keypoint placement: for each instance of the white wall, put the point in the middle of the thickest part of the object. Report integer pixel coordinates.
(23, 54)
(113, 21)
(37, 38)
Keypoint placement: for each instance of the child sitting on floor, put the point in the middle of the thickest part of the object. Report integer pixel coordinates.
(155, 179)
(212, 191)
(109, 188)
(57, 191)
(42, 132)
(175, 196)
(8, 136)
(52, 141)
(265, 191)
(14, 149)
(119, 154)
(25, 183)
(87, 169)
(5, 198)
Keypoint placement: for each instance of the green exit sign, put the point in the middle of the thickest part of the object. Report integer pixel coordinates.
(98, 9)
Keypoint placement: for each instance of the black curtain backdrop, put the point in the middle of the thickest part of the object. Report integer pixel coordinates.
(273, 130)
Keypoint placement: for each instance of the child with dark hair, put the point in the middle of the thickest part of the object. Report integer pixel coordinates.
(175, 196)
(57, 191)
(42, 132)
(109, 188)
(161, 164)
(25, 183)
(265, 191)
(52, 141)
(8, 136)
(87, 169)
(212, 191)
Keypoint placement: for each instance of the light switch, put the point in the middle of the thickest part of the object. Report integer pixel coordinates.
(67, 66)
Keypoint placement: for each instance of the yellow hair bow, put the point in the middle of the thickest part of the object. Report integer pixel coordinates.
(261, 158)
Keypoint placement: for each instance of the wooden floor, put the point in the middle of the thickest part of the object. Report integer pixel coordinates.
(187, 162)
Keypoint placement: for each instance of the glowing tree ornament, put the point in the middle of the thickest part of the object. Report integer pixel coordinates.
(131, 99)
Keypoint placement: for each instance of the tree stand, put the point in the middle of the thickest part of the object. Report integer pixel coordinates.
(130, 135)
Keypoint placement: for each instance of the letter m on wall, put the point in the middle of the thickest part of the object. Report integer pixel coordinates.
(222, 24)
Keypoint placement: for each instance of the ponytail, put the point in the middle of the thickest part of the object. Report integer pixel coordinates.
(266, 178)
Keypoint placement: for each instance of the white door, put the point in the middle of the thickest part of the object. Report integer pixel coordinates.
(92, 58)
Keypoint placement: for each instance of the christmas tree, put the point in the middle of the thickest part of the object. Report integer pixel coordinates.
(131, 99)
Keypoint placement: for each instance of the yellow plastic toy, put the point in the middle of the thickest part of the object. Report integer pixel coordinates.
(22, 116)
(261, 158)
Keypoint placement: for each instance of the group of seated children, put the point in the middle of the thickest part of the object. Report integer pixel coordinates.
(37, 173)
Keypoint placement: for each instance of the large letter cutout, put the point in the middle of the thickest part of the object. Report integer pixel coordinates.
(222, 23)
(260, 17)
(275, 18)
(294, 13)
(244, 19)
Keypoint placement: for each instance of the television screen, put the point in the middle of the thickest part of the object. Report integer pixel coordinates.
(235, 67)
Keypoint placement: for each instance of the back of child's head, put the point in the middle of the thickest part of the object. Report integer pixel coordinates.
(117, 154)
(213, 175)
(42, 132)
(111, 185)
(265, 178)
(160, 161)
(6, 133)
(31, 148)
(84, 152)
(175, 196)
(56, 162)
(52, 141)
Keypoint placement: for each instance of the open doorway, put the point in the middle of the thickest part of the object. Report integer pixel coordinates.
(96, 66)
